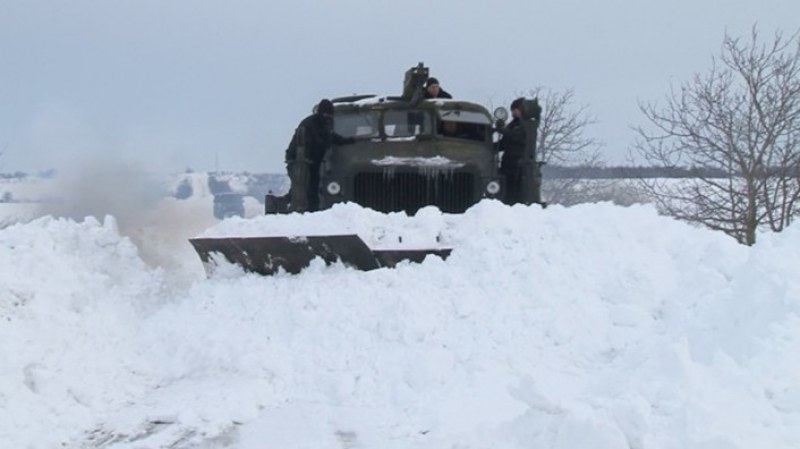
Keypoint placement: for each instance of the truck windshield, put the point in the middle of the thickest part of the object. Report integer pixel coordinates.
(406, 123)
(358, 125)
(455, 115)
(464, 125)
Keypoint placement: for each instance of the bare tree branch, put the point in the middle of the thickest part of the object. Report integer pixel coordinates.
(743, 118)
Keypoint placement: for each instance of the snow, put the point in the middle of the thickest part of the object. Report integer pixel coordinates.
(437, 161)
(591, 326)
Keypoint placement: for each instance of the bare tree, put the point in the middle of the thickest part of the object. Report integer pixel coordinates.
(742, 119)
(562, 140)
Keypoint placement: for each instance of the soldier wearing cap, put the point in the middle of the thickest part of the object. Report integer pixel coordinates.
(312, 138)
(433, 90)
(512, 145)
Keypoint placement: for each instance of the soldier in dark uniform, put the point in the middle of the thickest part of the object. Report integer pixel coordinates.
(512, 144)
(433, 90)
(518, 163)
(312, 138)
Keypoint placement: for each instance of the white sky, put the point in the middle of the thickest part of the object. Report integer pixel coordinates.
(211, 84)
(594, 326)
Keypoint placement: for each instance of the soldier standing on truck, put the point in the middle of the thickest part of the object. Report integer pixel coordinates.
(312, 138)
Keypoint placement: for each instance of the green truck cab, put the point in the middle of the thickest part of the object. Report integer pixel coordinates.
(410, 155)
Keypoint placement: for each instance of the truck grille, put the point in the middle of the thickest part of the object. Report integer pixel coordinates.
(451, 192)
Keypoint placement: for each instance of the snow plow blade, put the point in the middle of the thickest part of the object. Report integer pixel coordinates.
(269, 255)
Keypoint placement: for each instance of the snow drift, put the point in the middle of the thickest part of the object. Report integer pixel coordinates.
(592, 326)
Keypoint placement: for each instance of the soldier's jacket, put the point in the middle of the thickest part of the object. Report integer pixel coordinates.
(316, 133)
(512, 144)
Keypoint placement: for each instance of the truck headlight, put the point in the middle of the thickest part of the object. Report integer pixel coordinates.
(334, 188)
(493, 187)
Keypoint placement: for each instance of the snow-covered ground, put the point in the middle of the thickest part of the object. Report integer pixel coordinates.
(594, 326)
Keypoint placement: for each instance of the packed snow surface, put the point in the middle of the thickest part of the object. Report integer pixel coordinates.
(594, 326)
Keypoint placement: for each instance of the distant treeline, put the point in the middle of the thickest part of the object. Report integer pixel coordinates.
(22, 175)
(617, 172)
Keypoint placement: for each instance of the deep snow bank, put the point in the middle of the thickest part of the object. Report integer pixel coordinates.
(593, 326)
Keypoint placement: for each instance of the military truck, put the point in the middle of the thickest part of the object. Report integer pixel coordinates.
(408, 152)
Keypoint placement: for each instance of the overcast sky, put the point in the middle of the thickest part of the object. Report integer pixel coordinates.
(172, 84)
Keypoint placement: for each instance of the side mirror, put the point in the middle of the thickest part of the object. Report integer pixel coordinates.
(501, 113)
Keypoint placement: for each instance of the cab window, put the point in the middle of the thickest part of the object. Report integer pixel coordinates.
(406, 123)
(358, 125)
(463, 125)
